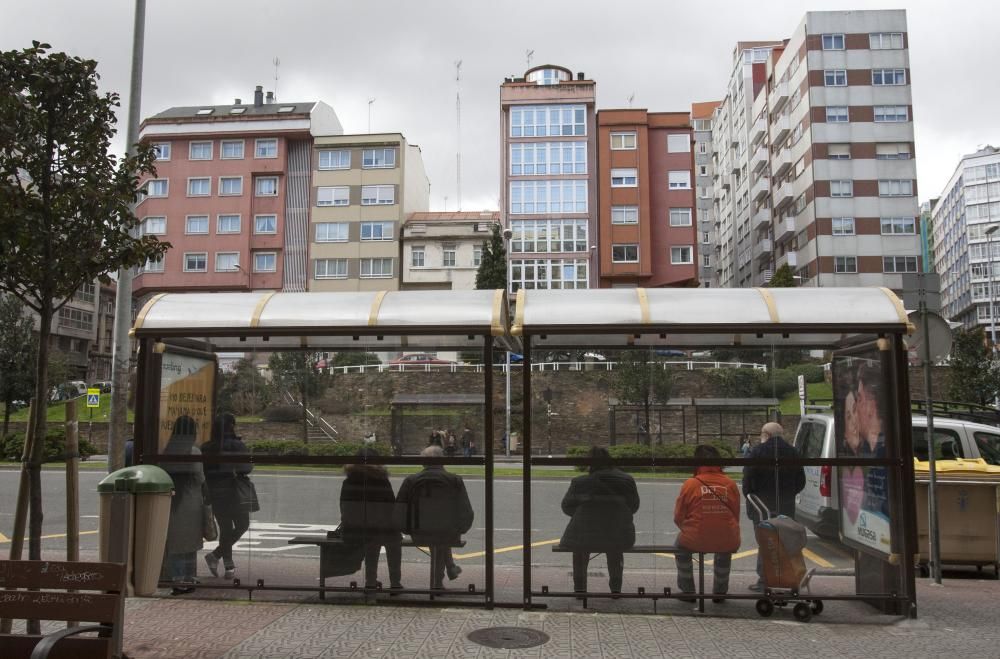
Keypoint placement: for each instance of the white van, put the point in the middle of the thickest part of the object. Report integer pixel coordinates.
(817, 505)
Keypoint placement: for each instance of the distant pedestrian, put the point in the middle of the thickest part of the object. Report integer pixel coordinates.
(468, 445)
(745, 446)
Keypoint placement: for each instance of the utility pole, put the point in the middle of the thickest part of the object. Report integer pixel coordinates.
(121, 351)
(458, 131)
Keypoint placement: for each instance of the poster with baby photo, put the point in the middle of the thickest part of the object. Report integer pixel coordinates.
(859, 406)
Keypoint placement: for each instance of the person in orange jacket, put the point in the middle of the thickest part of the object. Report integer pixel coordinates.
(707, 512)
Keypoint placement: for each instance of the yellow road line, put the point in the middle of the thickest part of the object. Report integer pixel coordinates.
(503, 550)
(4, 538)
(822, 562)
(742, 554)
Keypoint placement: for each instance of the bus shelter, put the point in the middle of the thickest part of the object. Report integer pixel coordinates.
(216, 367)
(865, 478)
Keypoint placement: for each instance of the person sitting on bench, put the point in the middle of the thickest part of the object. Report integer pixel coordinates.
(707, 512)
(600, 505)
(435, 511)
(367, 507)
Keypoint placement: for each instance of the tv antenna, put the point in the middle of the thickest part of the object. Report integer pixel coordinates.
(371, 111)
(458, 132)
(277, 63)
(528, 54)
(630, 99)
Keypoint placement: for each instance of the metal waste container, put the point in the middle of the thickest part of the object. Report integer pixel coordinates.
(968, 502)
(150, 489)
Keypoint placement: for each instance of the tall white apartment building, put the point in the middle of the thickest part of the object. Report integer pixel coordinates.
(968, 208)
(704, 171)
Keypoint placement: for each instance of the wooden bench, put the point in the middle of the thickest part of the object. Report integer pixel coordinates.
(106, 606)
(325, 554)
(657, 549)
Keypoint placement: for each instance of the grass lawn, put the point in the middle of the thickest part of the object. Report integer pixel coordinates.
(57, 411)
(790, 403)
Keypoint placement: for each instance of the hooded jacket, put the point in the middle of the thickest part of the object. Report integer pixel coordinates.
(433, 507)
(367, 505)
(601, 505)
(776, 486)
(707, 512)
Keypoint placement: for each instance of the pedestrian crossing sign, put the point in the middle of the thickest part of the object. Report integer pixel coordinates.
(93, 397)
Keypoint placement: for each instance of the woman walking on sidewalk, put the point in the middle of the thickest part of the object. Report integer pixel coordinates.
(233, 495)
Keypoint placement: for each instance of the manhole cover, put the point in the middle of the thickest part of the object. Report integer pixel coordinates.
(508, 638)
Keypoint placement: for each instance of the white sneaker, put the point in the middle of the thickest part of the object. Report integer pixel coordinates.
(213, 563)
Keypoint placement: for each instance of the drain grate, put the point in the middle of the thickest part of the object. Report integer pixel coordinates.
(508, 638)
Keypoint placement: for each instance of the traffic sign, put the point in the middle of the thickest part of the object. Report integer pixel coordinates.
(93, 397)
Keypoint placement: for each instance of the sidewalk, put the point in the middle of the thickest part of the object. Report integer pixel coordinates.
(957, 619)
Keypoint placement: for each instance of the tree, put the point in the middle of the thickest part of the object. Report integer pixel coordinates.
(643, 380)
(492, 273)
(242, 391)
(65, 204)
(783, 277)
(17, 350)
(974, 375)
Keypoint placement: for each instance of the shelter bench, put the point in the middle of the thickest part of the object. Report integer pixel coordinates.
(657, 549)
(51, 601)
(325, 543)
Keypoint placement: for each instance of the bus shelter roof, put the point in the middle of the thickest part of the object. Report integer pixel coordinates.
(752, 317)
(375, 320)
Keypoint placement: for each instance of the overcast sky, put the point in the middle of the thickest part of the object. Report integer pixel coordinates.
(403, 52)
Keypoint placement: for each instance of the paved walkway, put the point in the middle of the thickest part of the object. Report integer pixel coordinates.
(957, 619)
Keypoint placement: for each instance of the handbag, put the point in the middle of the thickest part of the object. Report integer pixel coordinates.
(209, 528)
(246, 494)
(340, 557)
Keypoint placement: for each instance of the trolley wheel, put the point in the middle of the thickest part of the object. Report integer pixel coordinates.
(764, 608)
(817, 607)
(802, 612)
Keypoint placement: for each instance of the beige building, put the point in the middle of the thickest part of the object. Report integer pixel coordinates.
(442, 251)
(363, 187)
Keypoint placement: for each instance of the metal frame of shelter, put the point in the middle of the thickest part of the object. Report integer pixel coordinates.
(269, 321)
(829, 318)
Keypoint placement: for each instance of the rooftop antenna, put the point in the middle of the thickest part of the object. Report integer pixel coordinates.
(458, 132)
(630, 99)
(528, 54)
(277, 63)
(371, 110)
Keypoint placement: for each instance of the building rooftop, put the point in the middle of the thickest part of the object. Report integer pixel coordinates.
(454, 216)
(704, 110)
(209, 112)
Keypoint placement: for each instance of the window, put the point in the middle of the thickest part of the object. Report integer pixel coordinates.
(161, 151)
(477, 256)
(265, 262)
(265, 224)
(331, 232)
(284, 109)
(330, 269)
(86, 293)
(565, 196)
(154, 226)
(989, 446)
(888, 77)
(547, 120)
(195, 261)
(885, 40)
(378, 158)
(200, 151)
(448, 255)
(157, 187)
(886, 113)
(228, 224)
(196, 224)
(266, 148)
(678, 143)
(682, 255)
(231, 185)
(679, 180)
(895, 226)
(624, 178)
(378, 195)
(899, 151)
(624, 215)
(266, 186)
(838, 152)
(199, 187)
(153, 265)
(834, 78)
(899, 264)
(334, 196)
(702, 170)
(205, 111)
(842, 188)
(622, 141)
(237, 110)
(895, 188)
(702, 147)
(845, 264)
(680, 217)
(227, 261)
(706, 260)
(376, 231)
(843, 226)
(534, 158)
(548, 236)
(548, 274)
(624, 253)
(76, 319)
(833, 42)
(376, 268)
(417, 256)
(836, 114)
(232, 149)
(334, 159)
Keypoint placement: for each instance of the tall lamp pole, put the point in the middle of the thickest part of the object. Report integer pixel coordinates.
(993, 318)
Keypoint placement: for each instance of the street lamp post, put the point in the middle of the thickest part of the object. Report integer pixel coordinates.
(989, 260)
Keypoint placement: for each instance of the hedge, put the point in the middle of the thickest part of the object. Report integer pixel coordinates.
(12, 447)
(641, 451)
(291, 447)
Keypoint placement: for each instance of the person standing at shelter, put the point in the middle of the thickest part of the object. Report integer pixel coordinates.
(707, 512)
(776, 486)
(468, 444)
(233, 495)
(367, 516)
(600, 506)
(184, 530)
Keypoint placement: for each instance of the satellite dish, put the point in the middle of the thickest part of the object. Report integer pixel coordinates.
(939, 332)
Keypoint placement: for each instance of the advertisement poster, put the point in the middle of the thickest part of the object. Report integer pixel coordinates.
(187, 384)
(859, 408)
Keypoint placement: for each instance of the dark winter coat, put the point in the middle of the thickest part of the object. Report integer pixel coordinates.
(185, 527)
(221, 477)
(367, 505)
(601, 505)
(433, 507)
(776, 487)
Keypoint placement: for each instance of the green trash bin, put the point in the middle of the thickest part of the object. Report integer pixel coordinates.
(151, 489)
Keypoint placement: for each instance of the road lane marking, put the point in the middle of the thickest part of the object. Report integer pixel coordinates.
(503, 550)
(818, 560)
(4, 538)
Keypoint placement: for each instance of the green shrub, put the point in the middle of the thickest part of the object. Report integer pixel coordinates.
(292, 447)
(12, 446)
(283, 413)
(780, 383)
(346, 449)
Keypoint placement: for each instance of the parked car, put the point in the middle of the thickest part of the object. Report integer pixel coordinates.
(817, 506)
(67, 390)
(415, 358)
(103, 385)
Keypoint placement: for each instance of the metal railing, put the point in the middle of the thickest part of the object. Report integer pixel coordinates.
(686, 365)
(318, 427)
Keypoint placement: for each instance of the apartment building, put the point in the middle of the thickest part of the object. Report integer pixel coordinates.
(966, 242)
(646, 200)
(363, 186)
(100, 356)
(231, 194)
(74, 331)
(704, 171)
(442, 250)
(548, 194)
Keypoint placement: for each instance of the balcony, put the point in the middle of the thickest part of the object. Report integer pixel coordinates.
(781, 162)
(764, 249)
(761, 218)
(778, 96)
(759, 159)
(785, 229)
(782, 196)
(760, 189)
(764, 278)
(790, 258)
(780, 128)
(758, 130)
